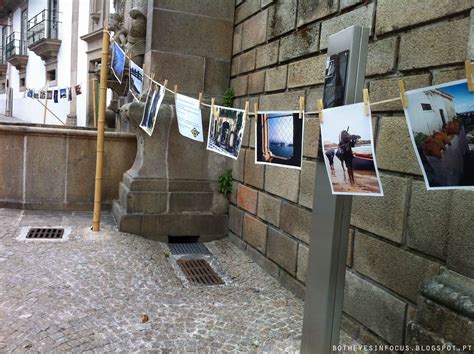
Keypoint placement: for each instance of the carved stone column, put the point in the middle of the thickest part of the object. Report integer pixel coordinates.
(171, 190)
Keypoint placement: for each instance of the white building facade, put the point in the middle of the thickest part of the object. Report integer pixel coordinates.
(41, 49)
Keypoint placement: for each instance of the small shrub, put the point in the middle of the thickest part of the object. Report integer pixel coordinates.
(229, 97)
(225, 183)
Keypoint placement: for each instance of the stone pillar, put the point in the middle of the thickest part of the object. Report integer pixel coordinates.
(72, 116)
(171, 190)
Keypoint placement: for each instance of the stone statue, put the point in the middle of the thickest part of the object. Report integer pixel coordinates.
(135, 46)
(116, 26)
(129, 31)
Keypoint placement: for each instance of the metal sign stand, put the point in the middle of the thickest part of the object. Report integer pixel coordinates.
(331, 218)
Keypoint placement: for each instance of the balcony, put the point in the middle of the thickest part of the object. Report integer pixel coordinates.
(16, 51)
(42, 35)
(3, 63)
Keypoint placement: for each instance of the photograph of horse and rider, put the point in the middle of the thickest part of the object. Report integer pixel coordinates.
(346, 133)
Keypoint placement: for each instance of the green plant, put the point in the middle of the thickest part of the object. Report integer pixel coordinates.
(225, 182)
(420, 138)
(229, 97)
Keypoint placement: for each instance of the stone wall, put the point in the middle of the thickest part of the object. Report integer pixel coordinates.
(398, 241)
(54, 168)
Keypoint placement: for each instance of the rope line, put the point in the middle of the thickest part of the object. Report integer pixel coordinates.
(208, 105)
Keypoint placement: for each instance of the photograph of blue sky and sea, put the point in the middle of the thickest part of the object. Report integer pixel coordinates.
(441, 124)
(348, 148)
(279, 139)
(118, 62)
(226, 129)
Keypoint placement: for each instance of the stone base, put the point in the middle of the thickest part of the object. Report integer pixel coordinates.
(157, 208)
(159, 227)
(172, 187)
(71, 120)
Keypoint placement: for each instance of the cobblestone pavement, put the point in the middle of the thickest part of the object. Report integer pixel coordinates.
(89, 293)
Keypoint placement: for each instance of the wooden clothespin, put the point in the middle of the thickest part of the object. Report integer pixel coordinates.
(301, 107)
(175, 90)
(200, 99)
(470, 83)
(213, 102)
(164, 84)
(401, 85)
(152, 79)
(320, 110)
(247, 106)
(365, 93)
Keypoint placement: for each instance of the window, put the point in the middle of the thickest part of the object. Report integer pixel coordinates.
(24, 31)
(426, 107)
(53, 18)
(3, 44)
(22, 82)
(51, 75)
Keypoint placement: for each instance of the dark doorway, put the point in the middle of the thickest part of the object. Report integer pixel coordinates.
(443, 118)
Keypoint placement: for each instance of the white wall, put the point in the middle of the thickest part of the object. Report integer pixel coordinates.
(428, 121)
(29, 109)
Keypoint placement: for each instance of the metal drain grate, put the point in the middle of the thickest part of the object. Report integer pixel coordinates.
(188, 248)
(199, 272)
(45, 233)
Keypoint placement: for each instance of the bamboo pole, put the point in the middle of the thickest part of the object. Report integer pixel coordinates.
(94, 103)
(99, 169)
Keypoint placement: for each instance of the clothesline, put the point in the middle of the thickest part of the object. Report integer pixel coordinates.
(248, 113)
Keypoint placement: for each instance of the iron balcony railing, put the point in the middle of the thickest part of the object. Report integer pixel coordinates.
(15, 46)
(43, 25)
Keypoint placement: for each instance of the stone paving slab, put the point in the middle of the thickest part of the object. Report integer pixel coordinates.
(5, 119)
(88, 295)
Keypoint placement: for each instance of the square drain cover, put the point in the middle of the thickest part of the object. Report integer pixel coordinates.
(199, 272)
(188, 248)
(45, 233)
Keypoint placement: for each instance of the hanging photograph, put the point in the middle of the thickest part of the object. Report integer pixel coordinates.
(279, 139)
(42, 94)
(348, 148)
(36, 95)
(152, 106)
(136, 80)
(78, 90)
(49, 95)
(188, 111)
(55, 96)
(226, 129)
(62, 93)
(441, 125)
(118, 62)
(29, 94)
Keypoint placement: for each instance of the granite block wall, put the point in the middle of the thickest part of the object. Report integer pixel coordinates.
(396, 242)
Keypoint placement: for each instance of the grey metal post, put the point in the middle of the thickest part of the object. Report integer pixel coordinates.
(331, 219)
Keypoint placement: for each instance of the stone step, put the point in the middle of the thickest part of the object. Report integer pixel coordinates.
(207, 225)
(159, 202)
